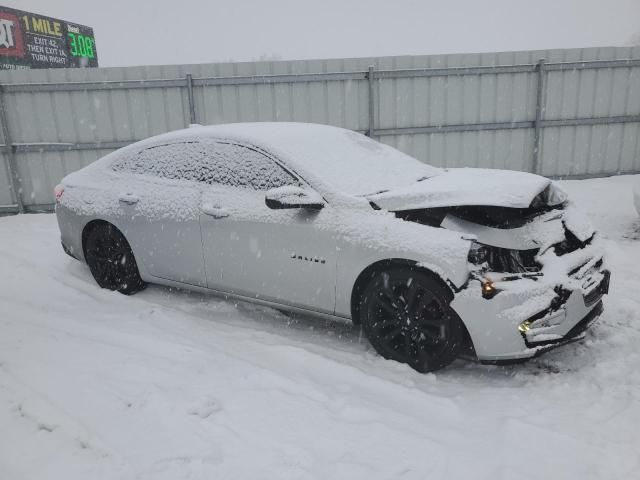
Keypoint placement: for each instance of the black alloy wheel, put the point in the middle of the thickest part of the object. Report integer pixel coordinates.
(111, 260)
(406, 317)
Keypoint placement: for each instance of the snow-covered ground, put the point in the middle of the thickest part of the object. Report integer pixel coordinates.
(173, 385)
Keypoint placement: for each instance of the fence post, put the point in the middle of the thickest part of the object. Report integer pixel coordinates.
(192, 106)
(372, 103)
(8, 150)
(537, 124)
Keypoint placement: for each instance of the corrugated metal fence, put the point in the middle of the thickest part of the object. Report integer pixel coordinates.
(559, 112)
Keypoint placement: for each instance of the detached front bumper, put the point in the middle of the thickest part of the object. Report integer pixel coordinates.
(555, 325)
(534, 317)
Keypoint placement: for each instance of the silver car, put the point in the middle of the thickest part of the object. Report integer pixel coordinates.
(432, 263)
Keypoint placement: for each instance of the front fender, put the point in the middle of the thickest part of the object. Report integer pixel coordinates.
(386, 237)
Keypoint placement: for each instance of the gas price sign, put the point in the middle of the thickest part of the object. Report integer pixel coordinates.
(28, 40)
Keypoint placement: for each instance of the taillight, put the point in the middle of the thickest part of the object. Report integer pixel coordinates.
(58, 191)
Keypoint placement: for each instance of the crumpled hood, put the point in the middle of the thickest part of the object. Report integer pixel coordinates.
(465, 187)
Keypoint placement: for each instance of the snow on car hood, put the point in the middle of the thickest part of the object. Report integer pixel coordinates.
(465, 186)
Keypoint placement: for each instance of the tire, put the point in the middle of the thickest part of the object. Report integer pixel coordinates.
(406, 317)
(111, 260)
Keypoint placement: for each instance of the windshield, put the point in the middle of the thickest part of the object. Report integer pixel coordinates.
(355, 164)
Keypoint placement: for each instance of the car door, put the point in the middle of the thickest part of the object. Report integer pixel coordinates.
(251, 250)
(159, 201)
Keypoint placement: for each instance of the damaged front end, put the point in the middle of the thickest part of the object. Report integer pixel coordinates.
(537, 274)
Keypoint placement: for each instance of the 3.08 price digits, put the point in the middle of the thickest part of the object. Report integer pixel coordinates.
(81, 45)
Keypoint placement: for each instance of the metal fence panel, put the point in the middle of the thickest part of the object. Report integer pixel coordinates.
(6, 198)
(448, 110)
(591, 150)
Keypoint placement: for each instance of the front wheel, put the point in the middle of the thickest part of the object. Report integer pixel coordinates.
(111, 260)
(406, 317)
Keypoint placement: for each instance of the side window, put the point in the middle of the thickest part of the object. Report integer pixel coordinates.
(208, 162)
(238, 166)
(176, 161)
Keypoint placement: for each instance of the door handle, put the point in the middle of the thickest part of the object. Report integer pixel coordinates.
(128, 198)
(214, 211)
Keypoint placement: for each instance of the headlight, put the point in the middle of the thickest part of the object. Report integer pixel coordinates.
(555, 195)
(478, 253)
(552, 196)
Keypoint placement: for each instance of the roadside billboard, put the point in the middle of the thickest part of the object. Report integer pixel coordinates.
(29, 40)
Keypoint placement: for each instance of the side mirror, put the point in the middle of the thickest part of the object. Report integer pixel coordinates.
(293, 197)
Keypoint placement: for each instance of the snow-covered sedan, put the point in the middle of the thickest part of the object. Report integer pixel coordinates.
(433, 263)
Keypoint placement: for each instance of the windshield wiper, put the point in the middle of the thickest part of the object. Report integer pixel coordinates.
(374, 193)
(426, 177)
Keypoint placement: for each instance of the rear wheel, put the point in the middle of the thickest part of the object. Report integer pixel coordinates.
(406, 316)
(111, 260)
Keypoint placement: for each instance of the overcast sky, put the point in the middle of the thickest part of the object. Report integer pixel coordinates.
(135, 32)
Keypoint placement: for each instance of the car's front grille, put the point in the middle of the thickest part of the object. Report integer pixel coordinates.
(524, 261)
(594, 295)
(596, 266)
(571, 243)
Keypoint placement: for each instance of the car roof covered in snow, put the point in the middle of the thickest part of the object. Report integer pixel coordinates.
(341, 159)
